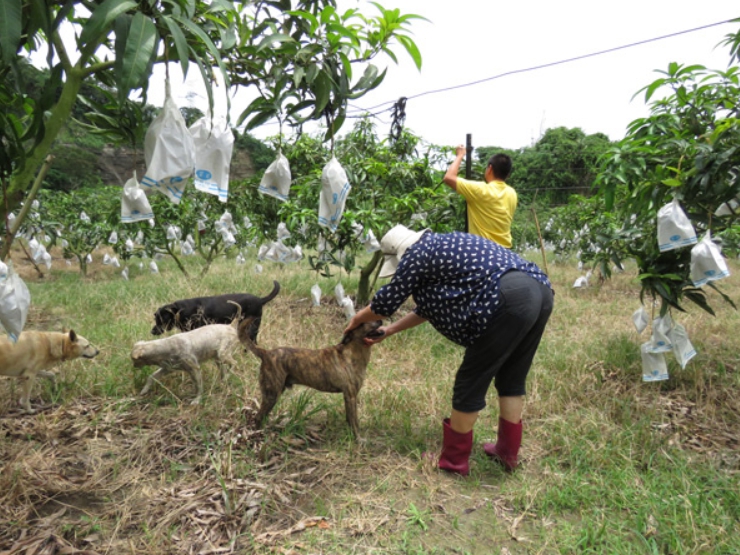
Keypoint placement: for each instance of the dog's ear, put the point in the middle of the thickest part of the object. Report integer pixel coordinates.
(72, 336)
(244, 327)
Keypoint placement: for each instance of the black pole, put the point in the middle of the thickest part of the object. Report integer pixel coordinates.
(468, 168)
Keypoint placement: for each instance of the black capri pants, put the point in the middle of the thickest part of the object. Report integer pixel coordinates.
(505, 351)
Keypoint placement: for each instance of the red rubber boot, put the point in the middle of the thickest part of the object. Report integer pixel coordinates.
(456, 448)
(506, 448)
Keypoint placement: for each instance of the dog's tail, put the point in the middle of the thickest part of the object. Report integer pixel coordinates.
(244, 329)
(235, 321)
(272, 295)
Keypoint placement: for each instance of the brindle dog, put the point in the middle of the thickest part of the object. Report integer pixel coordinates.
(337, 369)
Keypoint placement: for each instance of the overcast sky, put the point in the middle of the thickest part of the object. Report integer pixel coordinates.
(470, 40)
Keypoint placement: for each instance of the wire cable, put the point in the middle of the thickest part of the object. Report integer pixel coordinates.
(551, 64)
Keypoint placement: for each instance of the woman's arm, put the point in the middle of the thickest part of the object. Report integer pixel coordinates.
(411, 320)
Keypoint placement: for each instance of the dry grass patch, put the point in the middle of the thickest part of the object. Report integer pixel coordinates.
(607, 458)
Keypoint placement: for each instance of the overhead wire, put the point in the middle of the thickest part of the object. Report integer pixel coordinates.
(541, 66)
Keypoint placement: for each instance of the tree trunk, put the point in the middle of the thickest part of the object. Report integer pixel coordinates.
(363, 287)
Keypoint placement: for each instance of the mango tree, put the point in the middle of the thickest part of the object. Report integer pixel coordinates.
(301, 56)
(688, 148)
(392, 182)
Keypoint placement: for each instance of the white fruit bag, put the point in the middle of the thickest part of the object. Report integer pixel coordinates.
(707, 262)
(339, 293)
(660, 340)
(135, 206)
(674, 228)
(276, 180)
(169, 151)
(370, 242)
(214, 145)
(334, 190)
(14, 302)
(654, 367)
(682, 347)
(640, 319)
(316, 294)
(349, 307)
(729, 208)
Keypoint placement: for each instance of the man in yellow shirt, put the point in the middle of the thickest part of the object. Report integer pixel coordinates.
(491, 204)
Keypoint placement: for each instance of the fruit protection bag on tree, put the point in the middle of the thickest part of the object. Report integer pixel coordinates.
(169, 151)
(674, 228)
(135, 206)
(660, 340)
(654, 367)
(682, 347)
(707, 262)
(214, 145)
(334, 190)
(276, 180)
(640, 319)
(14, 302)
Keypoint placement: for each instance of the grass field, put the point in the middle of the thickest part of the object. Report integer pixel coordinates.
(611, 465)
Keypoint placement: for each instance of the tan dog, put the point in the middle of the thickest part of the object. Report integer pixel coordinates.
(186, 351)
(338, 369)
(36, 352)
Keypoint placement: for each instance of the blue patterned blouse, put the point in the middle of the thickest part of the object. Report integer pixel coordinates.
(454, 280)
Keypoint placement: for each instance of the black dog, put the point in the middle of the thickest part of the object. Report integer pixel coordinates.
(189, 314)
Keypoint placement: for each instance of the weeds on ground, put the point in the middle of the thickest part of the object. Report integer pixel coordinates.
(610, 464)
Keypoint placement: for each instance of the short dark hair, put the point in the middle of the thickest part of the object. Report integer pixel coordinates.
(501, 165)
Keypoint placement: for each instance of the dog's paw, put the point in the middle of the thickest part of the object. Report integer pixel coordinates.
(195, 401)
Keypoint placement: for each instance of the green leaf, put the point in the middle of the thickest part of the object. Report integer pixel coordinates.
(335, 126)
(698, 298)
(205, 39)
(411, 48)
(322, 91)
(228, 37)
(271, 39)
(259, 119)
(10, 29)
(313, 22)
(672, 182)
(371, 72)
(38, 18)
(181, 44)
(723, 295)
(101, 20)
(141, 46)
(257, 105)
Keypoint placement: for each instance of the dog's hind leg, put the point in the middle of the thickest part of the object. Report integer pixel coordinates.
(191, 366)
(226, 362)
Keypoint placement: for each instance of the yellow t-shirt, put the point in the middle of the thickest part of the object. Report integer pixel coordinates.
(491, 208)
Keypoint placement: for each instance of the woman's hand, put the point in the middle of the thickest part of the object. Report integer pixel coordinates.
(362, 316)
(378, 336)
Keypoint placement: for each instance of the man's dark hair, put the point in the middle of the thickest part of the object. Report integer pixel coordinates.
(501, 165)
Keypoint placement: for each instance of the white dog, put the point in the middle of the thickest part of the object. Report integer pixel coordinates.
(185, 352)
(36, 352)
